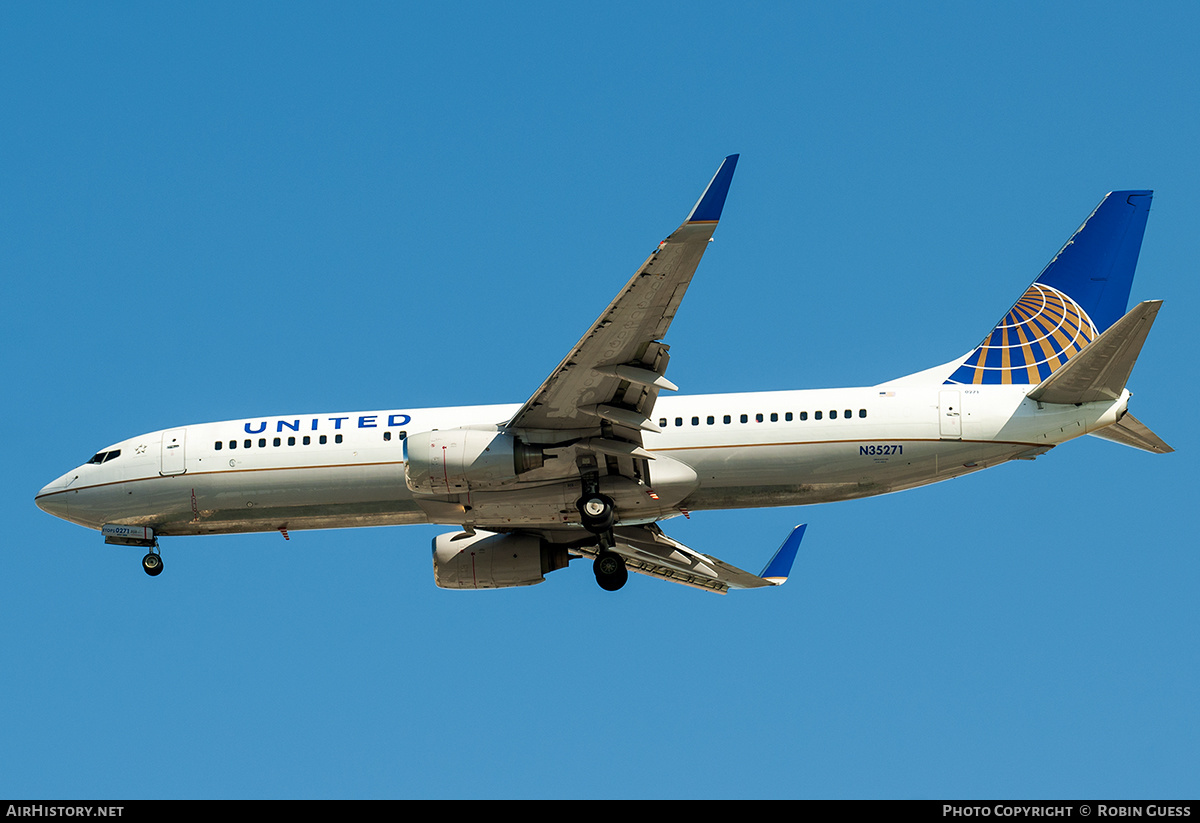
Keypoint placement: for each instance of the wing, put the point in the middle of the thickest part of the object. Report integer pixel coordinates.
(606, 387)
(646, 550)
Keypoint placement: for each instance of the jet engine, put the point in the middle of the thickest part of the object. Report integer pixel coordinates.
(452, 461)
(486, 560)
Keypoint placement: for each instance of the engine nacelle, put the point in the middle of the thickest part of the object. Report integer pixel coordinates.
(453, 461)
(486, 560)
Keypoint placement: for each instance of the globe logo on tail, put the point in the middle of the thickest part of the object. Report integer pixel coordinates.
(1045, 329)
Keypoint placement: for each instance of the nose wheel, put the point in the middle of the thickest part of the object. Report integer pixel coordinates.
(152, 564)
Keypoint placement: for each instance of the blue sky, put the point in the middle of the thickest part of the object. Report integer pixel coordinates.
(234, 211)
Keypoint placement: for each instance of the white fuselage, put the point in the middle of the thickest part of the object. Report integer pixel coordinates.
(746, 450)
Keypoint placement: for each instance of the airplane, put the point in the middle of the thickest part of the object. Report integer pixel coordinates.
(590, 464)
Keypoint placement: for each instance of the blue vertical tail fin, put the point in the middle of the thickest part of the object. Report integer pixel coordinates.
(1080, 293)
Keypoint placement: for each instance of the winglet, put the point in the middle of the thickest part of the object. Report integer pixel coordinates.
(708, 207)
(780, 566)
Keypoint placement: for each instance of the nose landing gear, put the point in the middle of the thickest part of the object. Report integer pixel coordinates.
(152, 563)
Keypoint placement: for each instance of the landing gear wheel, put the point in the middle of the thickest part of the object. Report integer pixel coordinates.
(597, 512)
(610, 571)
(152, 564)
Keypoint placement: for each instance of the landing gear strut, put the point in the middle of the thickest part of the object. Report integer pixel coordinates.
(598, 514)
(152, 563)
(610, 571)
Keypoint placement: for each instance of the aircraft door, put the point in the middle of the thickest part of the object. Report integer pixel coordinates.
(949, 415)
(173, 452)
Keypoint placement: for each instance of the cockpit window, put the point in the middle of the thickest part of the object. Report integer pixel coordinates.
(104, 457)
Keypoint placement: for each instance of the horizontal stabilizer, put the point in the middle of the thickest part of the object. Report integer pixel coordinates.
(1101, 369)
(1129, 431)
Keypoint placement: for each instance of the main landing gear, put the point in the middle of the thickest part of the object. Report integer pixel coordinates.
(152, 563)
(598, 514)
(610, 570)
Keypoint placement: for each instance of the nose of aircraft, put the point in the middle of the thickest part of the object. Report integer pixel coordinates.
(50, 500)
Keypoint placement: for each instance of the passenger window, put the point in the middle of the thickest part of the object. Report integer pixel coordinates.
(711, 420)
(324, 439)
(862, 412)
(788, 417)
(337, 438)
(833, 414)
(307, 440)
(291, 441)
(247, 443)
(216, 446)
(276, 442)
(774, 417)
(695, 421)
(848, 414)
(758, 417)
(803, 415)
(262, 442)
(745, 419)
(233, 444)
(387, 436)
(727, 419)
(678, 421)
(816, 415)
